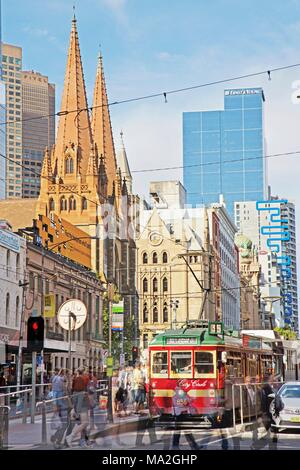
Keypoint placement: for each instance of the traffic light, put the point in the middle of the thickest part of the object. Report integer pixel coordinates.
(135, 353)
(35, 334)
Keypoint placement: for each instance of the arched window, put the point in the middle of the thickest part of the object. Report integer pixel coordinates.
(51, 204)
(69, 165)
(155, 315)
(154, 258)
(165, 313)
(7, 263)
(165, 257)
(18, 266)
(145, 314)
(165, 284)
(63, 204)
(145, 258)
(72, 203)
(7, 310)
(17, 311)
(84, 204)
(145, 284)
(145, 341)
(155, 285)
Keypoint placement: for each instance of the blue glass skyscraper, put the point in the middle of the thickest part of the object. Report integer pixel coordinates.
(223, 151)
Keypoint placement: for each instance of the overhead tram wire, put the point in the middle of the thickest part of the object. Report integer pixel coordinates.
(162, 94)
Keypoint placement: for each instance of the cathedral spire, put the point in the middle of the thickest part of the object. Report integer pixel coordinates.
(74, 123)
(47, 167)
(101, 126)
(123, 164)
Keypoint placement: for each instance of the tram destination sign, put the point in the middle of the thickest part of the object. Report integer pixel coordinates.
(181, 341)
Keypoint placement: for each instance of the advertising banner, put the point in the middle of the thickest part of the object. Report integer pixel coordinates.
(49, 306)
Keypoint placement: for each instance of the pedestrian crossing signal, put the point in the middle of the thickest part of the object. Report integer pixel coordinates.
(135, 353)
(35, 334)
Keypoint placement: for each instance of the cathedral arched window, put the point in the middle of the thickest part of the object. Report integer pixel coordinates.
(154, 258)
(145, 284)
(84, 204)
(155, 315)
(63, 204)
(51, 205)
(145, 314)
(155, 285)
(69, 165)
(165, 284)
(165, 257)
(145, 258)
(72, 203)
(165, 313)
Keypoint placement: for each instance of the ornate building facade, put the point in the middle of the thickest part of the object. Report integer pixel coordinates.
(250, 271)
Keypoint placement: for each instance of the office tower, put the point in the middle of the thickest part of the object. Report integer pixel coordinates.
(257, 225)
(223, 151)
(38, 99)
(2, 141)
(11, 72)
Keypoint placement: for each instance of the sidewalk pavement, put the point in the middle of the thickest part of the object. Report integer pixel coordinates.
(29, 436)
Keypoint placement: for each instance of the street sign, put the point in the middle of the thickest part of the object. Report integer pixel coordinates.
(110, 361)
(122, 359)
(118, 316)
(109, 371)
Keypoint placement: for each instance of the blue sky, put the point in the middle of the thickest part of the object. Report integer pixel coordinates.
(156, 45)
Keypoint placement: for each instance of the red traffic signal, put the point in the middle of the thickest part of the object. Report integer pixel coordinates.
(35, 334)
(135, 353)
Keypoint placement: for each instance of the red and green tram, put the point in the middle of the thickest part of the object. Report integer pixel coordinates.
(192, 372)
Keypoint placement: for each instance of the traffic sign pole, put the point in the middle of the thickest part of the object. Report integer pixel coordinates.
(110, 404)
(33, 386)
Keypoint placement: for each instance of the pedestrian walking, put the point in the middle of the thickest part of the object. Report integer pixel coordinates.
(139, 388)
(58, 382)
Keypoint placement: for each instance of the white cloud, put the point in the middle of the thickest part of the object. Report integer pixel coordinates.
(44, 33)
(115, 5)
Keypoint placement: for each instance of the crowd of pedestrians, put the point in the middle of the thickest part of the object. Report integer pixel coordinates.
(131, 387)
(74, 397)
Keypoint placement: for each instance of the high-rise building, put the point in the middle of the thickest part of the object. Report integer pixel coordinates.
(12, 65)
(258, 226)
(223, 151)
(2, 140)
(38, 99)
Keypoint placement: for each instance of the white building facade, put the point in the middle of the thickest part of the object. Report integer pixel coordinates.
(276, 244)
(12, 266)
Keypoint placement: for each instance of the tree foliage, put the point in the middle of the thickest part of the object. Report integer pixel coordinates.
(286, 332)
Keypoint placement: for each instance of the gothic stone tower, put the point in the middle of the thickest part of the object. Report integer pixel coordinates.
(79, 174)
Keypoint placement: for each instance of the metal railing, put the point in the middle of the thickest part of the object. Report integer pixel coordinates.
(4, 423)
(242, 401)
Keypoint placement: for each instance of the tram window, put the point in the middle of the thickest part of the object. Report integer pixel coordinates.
(181, 363)
(234, 368)
(204, 363)
(160, 363)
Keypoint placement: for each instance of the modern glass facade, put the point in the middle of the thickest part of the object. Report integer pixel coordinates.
(223, 151)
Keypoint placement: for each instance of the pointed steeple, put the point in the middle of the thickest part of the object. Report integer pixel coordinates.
(74, 127)
(47, 167)
(123, 164)
(92, 164)
(101, 126)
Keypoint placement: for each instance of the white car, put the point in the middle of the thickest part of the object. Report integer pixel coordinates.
(288, 400)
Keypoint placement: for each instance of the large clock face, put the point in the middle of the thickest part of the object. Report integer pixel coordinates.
(73, 310)
(155, 238)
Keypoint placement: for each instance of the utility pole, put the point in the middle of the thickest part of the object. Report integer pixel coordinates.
(21, 332)
(110, 296)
